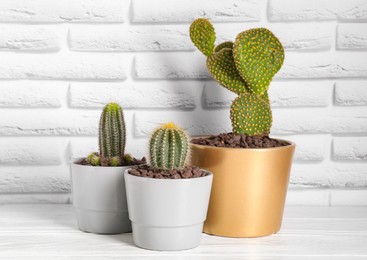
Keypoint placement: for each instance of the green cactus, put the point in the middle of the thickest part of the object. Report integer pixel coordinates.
(250, 115)
(223, 45)
(258, 55)
(112, 135)
(128, 159)
(115, 161)
(93, 159)
(203, 35)
(245, 67)
(223, 69)
(169, 147)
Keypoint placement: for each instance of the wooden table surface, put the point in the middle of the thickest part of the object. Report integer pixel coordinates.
(50, 232)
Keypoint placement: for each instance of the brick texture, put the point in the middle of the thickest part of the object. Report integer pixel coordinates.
(352, 36)
(64, 67)
(187, 10)
(350, 148)
(351, 93)
(54, 11)
(62, 61)
(29, 152)
(300, 10)
(29, 38)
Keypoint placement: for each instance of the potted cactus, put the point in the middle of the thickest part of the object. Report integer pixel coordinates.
(168, 200)
(251, 170)
(98, 185)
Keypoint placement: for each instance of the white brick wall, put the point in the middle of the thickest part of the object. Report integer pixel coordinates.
(61, 61)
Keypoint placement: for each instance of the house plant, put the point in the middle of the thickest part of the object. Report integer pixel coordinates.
(168, 200)
(250, 185)
(98, 186)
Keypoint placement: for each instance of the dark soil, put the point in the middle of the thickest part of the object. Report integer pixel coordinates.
(240, 141)
(132, 162)
(186, 173)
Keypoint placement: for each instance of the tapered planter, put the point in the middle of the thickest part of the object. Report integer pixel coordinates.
(167, 214)
(99, 198)
(249, 188)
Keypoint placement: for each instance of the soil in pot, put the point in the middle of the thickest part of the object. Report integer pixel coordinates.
(185, 173)
(133, 161)
(231, 140)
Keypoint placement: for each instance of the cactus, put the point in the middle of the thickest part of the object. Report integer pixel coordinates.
(93, 159)
(223, 69)
(258, 55)
(112, 135)
(169, 147)
(223, 45)
(245, 67)
(251, 115)
(203, 36)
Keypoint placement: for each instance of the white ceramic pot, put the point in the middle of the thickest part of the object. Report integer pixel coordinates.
(167, 214)
(99, 198)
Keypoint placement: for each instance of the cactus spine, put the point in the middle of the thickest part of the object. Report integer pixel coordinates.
(112, 135)
(169, 147)
(245, 67)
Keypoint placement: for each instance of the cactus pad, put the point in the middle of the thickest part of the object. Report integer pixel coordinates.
(223, 69)
(223, 45)
(265, 97)
(250, 115)
(258, 55)
(202, 34)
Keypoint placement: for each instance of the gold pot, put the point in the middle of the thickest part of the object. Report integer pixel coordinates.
(249, 188)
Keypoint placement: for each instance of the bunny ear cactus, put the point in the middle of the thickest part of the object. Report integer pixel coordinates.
(203, 36)
(245, 67)
(112, 135)
(250, 115)
(258, 55)
(169, 147)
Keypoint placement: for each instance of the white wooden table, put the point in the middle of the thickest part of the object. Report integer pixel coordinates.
(49, 232)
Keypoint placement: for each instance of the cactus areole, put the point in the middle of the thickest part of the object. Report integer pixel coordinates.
(245, 67)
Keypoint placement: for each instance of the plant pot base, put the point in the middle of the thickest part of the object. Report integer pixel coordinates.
(167, 238)
(240, 233)
(103, 222)
(249, 188)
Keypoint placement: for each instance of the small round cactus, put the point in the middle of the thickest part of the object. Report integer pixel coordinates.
(93, 159)
(112, 135)
(169, 147)
(115, 161)
(245, 67)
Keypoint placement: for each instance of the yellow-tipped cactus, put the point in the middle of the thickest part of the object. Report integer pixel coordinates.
(245, 67)
(169, 147)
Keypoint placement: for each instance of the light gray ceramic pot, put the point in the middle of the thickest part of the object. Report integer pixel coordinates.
(167, 214)
(99, 198)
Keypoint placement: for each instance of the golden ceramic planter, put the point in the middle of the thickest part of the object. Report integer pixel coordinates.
(249, 188)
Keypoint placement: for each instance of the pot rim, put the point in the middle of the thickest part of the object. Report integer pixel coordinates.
(209, 176)
(75, 160)
(292, 145)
